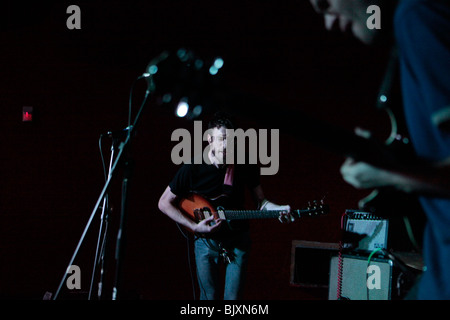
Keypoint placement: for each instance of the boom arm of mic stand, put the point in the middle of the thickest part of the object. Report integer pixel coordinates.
(122, 147)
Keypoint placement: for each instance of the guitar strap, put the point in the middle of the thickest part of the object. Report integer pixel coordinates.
(227, 189)
(229, 175)
(228, 180)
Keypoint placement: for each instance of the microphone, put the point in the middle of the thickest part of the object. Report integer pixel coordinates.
(118, 133)
(151, 69)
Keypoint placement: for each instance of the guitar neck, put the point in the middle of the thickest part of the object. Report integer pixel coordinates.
(258, 214)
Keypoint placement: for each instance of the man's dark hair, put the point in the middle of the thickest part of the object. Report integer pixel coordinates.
(221, 119)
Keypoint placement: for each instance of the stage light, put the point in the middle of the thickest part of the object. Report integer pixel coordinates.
(153, 69)
(218, 63)
(182, 108)
(198, 64)
(213, 70)
(197, 111)
(167, 98)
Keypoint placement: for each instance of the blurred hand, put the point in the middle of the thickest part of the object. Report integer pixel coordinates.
(362, 175)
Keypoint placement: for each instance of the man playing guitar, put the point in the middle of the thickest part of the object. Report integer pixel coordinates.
(216, 238)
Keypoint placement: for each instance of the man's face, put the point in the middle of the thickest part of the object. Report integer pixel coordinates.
(218, 143)
(348, 16)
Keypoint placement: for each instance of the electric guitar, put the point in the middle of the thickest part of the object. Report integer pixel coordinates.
(390, 100)
(198, 208)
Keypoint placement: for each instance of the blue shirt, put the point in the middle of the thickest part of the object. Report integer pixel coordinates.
(422, 32)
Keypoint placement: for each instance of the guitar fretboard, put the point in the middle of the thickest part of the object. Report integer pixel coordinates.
(259, 214)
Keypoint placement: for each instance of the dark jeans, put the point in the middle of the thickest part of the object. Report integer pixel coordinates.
(208, 258)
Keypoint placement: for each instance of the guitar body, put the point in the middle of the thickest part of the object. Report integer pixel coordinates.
(379, 200)
(199, 208)
(390, 101)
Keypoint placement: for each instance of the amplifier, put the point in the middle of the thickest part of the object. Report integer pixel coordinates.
(372, 229)
(360, 280)
(310, 263)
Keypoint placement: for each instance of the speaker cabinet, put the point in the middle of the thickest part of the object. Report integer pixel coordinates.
(360, 279)
(310, 263)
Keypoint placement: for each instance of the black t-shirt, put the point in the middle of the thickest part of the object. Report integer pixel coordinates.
(208, 181)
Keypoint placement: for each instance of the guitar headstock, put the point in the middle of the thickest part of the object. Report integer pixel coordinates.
(314, 208)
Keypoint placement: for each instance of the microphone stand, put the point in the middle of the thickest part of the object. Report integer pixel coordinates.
(101, 244)
(123, 150)
(120, 244)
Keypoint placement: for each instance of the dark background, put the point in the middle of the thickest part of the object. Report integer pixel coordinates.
(78, 82)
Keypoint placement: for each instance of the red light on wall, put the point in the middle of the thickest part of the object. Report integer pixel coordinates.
(27, 114)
